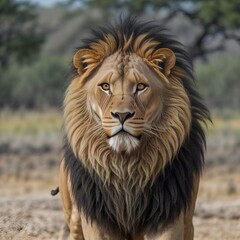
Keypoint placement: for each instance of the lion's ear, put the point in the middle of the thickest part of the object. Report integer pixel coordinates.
(165, 59)
(85, 59)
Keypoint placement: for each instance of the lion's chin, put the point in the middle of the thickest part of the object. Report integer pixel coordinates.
(123, 142)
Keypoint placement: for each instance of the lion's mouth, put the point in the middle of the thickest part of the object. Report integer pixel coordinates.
(122, 132)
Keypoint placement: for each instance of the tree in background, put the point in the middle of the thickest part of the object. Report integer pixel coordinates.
(217, 20)
(40, 84)
(19, 34)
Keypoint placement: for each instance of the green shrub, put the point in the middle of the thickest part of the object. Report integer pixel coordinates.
(219, 82)
(37, 85)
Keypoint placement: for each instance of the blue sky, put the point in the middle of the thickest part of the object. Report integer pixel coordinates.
(46, 3)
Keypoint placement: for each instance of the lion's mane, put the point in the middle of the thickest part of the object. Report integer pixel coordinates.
(149, 186)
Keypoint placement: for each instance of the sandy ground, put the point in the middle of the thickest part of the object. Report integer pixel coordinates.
(28, 211)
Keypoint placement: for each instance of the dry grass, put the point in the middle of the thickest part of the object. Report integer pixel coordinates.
(225, 123)
(29, 122)
(24, 122)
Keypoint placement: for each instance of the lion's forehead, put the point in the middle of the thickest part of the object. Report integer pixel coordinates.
(125, 67)
(122, 63)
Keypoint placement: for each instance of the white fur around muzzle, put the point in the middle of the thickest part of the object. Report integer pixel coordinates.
(123, 142)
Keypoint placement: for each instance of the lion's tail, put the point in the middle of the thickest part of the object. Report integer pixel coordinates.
(55, 191)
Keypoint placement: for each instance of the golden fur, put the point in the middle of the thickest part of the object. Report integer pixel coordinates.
(134, 143)
(169, 128)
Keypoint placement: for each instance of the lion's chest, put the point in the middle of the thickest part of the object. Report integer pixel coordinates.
(128, 210)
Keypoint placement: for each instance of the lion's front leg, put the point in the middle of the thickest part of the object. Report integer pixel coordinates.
(75, 225)
(92, 231)
(80, 228)
(71, 213)
(188, 218)
(182, 228)
(175, 231)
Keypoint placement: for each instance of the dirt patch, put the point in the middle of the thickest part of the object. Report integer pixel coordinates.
(32, 216)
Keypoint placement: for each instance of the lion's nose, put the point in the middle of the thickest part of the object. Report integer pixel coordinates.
(122, 116)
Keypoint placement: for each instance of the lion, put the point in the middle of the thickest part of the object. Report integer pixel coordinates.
(134, 138)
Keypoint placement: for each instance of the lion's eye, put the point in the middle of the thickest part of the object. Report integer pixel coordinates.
(141, 88)
(105, 87)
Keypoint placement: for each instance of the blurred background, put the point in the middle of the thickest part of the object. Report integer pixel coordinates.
(37, 42)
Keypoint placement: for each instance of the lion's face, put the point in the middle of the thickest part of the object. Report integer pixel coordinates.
(127, 97)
